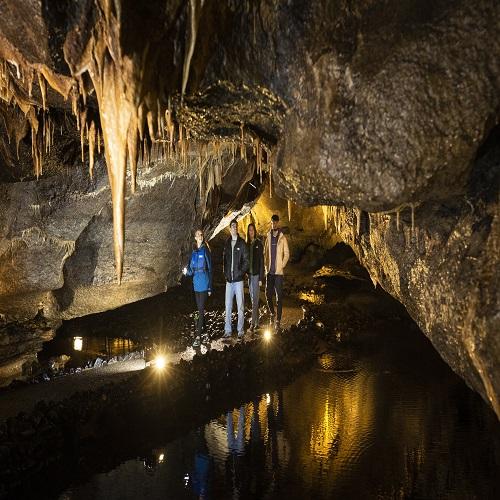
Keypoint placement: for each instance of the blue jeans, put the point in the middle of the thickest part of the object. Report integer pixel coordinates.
(233, 289)
(254, 289)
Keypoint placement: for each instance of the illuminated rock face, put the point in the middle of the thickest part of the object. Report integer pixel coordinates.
(340, 103)
(57, 236)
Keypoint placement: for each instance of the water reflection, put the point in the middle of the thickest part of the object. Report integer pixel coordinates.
(352, 427)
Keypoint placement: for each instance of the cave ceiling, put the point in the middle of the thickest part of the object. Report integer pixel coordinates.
(366, 103)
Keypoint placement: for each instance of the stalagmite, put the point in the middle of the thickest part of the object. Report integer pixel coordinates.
(358, 221)
(289, 204)
(397, 219)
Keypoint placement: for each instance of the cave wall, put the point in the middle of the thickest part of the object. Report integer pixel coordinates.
(444, 267)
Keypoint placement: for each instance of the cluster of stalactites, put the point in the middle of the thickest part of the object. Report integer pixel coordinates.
(332, 217)
(16, 89)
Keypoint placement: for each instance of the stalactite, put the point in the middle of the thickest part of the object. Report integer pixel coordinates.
(140, 122)
(43, 89)
(412, 206)
(270, 179)
(30, 77)
(325, 216)
(92, 138)
(242, 143)
(150, 120)
(170, 131)
(83, 121)
(195, 7)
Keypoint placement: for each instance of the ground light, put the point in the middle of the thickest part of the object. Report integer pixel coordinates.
(267, 335)
(160, 362)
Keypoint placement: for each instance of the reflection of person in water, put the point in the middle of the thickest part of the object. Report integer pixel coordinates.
(236, 447)
(202, 467)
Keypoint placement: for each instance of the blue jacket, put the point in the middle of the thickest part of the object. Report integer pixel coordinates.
(200, 268)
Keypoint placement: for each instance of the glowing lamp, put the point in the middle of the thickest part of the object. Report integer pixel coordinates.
(160, 362)
(267, 335)
(77, 343)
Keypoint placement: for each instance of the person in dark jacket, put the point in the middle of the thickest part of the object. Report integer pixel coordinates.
(255, 272)
(235, 263)
(200, 268)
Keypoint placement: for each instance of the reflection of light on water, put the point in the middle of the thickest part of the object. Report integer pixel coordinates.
(326, 361)
(77, 343)
(325, 431)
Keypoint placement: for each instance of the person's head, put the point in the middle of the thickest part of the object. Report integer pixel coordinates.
(251, 232)
(275, 222)
(199, 237)
(233, 228)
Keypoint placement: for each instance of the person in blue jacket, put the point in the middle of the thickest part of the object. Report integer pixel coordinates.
(200, 268)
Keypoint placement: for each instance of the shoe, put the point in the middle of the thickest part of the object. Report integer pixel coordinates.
(251, 330)
(226, 337)
(241, 335)
(196, 342)
(205, 339)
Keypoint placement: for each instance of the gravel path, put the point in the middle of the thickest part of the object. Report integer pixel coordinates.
(24, 399)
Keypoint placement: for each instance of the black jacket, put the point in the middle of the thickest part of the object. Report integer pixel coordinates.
(257, 259)
(240, 260)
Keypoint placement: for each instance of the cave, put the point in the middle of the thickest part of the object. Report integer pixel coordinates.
(371, 129)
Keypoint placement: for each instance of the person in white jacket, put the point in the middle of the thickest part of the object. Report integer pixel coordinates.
(276, 255)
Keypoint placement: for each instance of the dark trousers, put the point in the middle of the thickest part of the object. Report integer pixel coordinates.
(201, 299)
(274, 286)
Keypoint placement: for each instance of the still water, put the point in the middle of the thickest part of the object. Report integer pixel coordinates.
(382, 417)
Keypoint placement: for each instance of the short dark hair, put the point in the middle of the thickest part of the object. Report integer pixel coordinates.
(234, 221)
(275, 218)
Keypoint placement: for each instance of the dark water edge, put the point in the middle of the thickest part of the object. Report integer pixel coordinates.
(380, 416)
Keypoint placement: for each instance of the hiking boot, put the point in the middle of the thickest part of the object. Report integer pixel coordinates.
(227, 337)
(241, 335)
(197, 342)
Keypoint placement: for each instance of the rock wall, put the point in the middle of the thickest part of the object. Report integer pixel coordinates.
(445, 268)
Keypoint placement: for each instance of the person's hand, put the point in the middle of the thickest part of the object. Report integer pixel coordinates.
(184, 271)
(209, 293)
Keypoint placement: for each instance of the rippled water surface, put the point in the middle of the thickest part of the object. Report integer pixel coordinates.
(381, 417)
